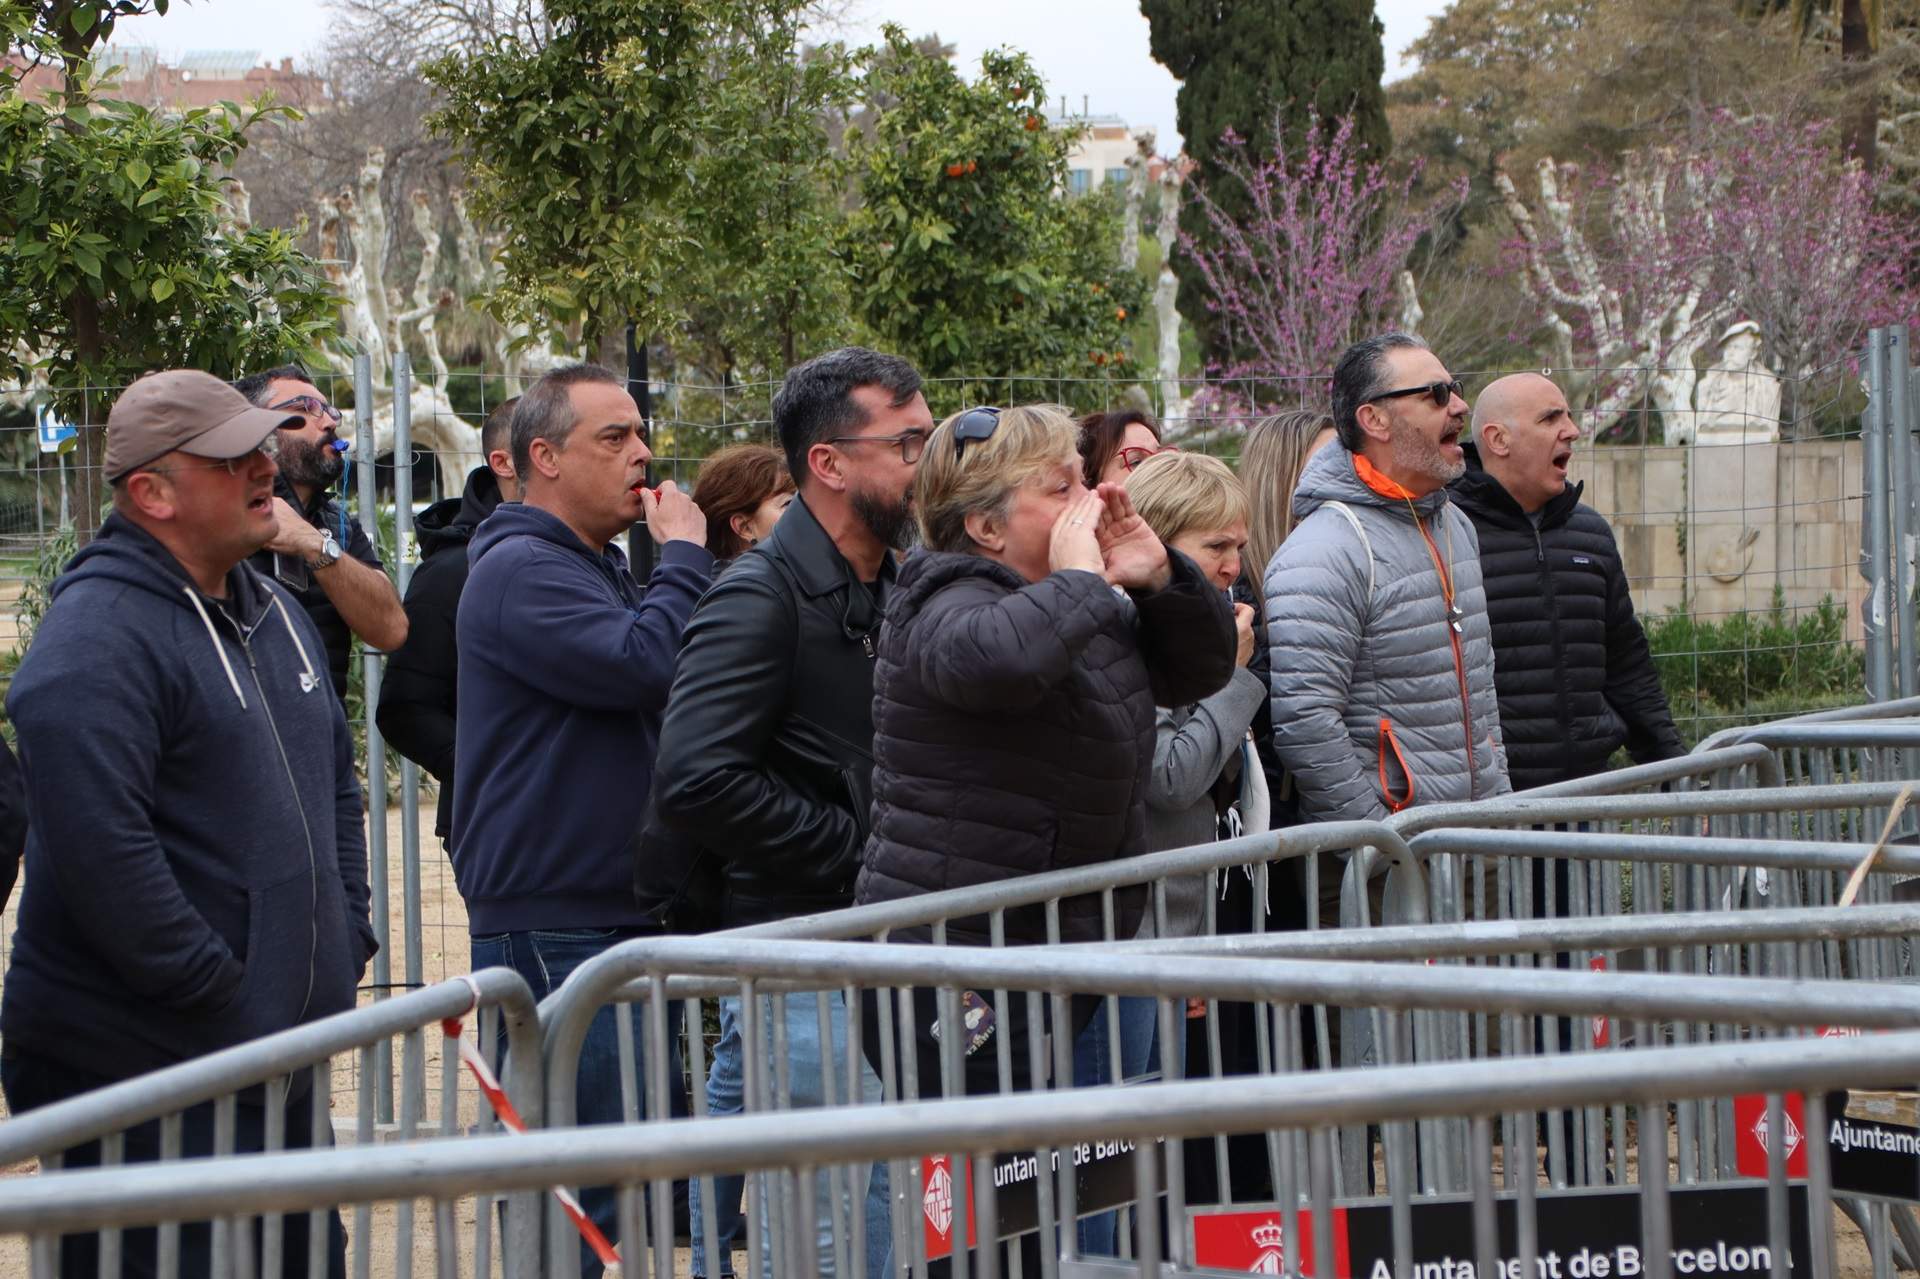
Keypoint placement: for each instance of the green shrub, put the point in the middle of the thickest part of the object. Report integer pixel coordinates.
(1747, 667)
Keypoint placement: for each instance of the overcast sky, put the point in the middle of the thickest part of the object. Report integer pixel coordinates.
(1089, 50)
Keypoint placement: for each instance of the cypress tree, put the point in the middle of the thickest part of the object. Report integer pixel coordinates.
(1242, 64)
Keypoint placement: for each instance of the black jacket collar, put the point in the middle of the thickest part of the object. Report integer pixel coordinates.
(815, 561)
(1484, 497)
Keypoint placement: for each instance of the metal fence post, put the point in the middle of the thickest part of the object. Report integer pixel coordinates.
(364, 434)
(416, 1082)
(1900, 531)
(1877, 614)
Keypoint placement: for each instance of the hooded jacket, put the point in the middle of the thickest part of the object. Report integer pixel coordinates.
(1571, 664)
(196, 867)
(565, 663)
(1378, 703)
(419, 689)
(765, 758)
(1014, 728)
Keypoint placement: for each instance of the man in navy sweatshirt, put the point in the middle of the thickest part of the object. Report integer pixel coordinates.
(565, 663)
(196, 867)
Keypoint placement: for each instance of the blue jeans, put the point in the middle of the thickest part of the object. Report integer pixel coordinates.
(806, 1062)
(726, 1089)
(546, 957)
(1092, 1066)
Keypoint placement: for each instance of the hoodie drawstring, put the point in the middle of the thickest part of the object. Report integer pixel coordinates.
(225, 665)
(294, 635)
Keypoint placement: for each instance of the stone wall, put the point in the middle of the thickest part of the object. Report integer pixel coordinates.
(1754, 515)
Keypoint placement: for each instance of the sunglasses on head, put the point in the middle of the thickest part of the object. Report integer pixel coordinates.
(1131, 458)
(1440, 393)
(311, 405)
(974, 426)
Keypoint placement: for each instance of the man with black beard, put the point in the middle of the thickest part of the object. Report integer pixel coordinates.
(318, 551)
(764, 768)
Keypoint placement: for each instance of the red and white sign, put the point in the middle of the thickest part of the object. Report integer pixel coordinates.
(1755, 1136)
(1600, 1036)
(1255, 1242)
(943, 1200)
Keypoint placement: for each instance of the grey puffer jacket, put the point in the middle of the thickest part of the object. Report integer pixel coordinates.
(1378, 705)
(1192, 746)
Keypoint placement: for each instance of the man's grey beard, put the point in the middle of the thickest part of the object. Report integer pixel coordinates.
(313, 464)
(1415, 454)
(891, 523)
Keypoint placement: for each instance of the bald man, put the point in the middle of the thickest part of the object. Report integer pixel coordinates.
(1572, 668)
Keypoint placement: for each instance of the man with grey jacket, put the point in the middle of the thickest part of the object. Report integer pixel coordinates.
(1382, 659)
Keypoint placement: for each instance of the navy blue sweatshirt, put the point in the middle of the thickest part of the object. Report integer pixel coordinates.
(565, 665)
(196, 866)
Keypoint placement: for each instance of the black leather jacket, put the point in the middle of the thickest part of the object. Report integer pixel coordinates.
(764, 775)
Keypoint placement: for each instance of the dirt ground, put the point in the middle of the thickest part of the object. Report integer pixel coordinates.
(444, 953)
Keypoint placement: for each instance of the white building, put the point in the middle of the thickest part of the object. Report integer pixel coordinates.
(1099, 154)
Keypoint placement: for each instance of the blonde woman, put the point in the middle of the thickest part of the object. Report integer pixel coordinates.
(1276, 451)
(1027, 643)
(1197, 506)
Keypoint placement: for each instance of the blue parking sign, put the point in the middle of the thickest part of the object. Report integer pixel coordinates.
(55, 436)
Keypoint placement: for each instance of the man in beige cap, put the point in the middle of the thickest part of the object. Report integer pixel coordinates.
(193, 881)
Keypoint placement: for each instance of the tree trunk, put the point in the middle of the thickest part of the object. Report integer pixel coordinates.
(83, 313)
(610, 348)
(1862, 124)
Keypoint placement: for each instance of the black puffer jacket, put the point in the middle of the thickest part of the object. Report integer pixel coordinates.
(419, 691)
(1571, 665)
(1013, 728)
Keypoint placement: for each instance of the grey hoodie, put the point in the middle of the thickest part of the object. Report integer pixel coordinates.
(1375, 706)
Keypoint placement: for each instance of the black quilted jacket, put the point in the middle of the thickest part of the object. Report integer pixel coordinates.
(1013, 728)
(1571, 665)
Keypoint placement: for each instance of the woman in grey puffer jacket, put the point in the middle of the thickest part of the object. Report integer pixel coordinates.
(1197, 506)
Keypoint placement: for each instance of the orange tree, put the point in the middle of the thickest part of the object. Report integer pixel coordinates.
(965, 253)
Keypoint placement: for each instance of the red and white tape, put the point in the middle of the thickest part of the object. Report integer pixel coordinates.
(509, 1116)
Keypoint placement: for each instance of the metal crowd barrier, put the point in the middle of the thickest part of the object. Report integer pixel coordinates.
(1879, 741)
(989, 1156)
(1457, 889)
(1416, 1012)
(1695, 850)
(1897, 708)
(266, 1072)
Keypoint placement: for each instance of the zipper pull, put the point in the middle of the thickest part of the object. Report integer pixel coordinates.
(866, 642)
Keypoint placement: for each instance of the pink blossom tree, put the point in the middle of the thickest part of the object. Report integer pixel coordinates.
(1316, 263)
(1622, 270)
(1758, 219)
(1802, 247)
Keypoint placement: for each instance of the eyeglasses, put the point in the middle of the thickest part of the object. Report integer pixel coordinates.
(912, 443)
(311, 405)
(269, 449)
(1440, 393)
(1133, 457)
(974, 426)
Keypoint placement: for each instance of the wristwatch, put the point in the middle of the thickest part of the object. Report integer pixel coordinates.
(329, 551)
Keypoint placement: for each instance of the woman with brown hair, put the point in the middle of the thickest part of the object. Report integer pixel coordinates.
(1111, 444)
(743, 489)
